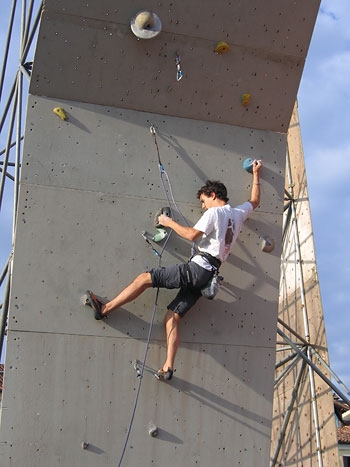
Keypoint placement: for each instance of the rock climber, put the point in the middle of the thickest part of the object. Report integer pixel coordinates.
(217, 229)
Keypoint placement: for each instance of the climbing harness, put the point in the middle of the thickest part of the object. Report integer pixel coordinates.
(215, 262)
(212, 287)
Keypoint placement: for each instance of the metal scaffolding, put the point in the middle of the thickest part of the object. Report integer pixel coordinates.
(22, 29)
(298, 350)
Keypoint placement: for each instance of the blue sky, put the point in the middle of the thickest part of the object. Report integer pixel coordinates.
(324, 112)
(324, 103)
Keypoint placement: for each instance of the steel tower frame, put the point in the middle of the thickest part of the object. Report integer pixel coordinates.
(299, 349)
(12, 122)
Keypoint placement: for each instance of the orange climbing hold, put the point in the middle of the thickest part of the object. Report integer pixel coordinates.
(222, 47)
(246, 99)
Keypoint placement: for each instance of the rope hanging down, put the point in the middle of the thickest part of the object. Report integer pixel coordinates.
(163, 172)
(164, 177)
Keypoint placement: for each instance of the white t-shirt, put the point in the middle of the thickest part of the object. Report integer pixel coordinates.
(220, 227)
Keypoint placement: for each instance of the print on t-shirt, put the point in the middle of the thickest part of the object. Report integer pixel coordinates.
(230, 231)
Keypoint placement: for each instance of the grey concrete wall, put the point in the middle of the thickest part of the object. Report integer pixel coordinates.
(85, 198)
(94, 57)
(89, 186)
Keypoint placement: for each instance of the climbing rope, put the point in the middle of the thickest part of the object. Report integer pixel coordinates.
(140, 377)
(167, 179)
(164, 177)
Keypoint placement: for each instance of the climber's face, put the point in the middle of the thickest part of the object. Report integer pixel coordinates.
(207, 201)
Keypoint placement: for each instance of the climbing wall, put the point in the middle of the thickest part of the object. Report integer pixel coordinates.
(91, 184)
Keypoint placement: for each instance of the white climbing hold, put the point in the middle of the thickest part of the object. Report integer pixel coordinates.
(146, 25)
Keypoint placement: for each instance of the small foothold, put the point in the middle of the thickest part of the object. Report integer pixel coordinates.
(153, 431)
(222, 47)
(84, 300)
(246, 99)
(84, 445)
(60, 112)
(248, 164)
(268, 244)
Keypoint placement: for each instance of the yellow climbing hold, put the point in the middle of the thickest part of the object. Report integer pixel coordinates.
(222, 47)
(246, 99)
(60, 112)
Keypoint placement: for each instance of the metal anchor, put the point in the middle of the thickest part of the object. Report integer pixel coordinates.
(178, 67)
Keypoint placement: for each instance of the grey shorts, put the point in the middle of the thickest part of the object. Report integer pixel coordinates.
(188, 277)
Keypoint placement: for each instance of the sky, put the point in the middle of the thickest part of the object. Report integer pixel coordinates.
(324, 112)
(324, 103)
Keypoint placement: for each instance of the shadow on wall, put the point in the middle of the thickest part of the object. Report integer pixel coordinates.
(220, 322)
(233, 372)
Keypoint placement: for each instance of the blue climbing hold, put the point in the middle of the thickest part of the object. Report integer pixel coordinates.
(248, 165)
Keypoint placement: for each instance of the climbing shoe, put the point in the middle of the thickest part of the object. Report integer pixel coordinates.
(166, 375)
(95, 304)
